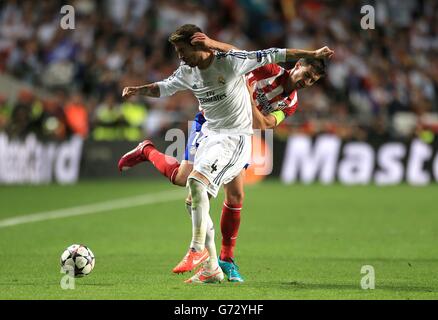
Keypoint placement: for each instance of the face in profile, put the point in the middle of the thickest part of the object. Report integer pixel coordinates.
(303, 76)
(187, 53)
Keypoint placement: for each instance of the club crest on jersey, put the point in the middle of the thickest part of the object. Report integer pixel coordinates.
(196, 85)
(221, 80)
(281, 105)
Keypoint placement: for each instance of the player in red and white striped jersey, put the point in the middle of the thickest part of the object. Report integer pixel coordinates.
(269, 93)
(275, 90)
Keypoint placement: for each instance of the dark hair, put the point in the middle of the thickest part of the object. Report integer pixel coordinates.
(318, 65)
(184, 34)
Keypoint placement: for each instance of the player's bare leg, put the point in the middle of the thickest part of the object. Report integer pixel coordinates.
(183, 173)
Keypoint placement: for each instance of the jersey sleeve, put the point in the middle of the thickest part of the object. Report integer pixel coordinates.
(263, 72)
(243, 62)
(172, 84)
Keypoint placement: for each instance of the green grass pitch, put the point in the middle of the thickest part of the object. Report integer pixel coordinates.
(295, 242)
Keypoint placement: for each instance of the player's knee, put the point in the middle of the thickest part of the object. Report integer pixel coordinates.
(180, 181)
(182, 175)
(235, 198)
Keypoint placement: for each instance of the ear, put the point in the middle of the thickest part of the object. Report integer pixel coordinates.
(297, 65)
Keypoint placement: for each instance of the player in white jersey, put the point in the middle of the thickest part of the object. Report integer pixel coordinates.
(217, 81)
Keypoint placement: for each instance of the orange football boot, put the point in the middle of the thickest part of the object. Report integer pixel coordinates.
(191, 260)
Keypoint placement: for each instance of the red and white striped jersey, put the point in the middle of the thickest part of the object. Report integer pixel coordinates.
(269, 93)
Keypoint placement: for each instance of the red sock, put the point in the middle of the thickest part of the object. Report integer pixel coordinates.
(168, 166)
(230, 222)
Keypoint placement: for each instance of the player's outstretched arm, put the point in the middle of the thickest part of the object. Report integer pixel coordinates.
(150, 90)
(202, 39)
(243, 62)
(322, 53)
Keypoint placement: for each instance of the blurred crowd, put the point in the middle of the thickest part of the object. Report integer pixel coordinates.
(381, 83)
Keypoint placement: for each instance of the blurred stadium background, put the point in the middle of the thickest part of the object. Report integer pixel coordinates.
(55, 83)
(372, 121)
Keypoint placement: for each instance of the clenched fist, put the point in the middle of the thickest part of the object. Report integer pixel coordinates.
(324, 52)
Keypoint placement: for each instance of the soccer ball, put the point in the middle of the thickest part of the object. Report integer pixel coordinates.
(79, 259)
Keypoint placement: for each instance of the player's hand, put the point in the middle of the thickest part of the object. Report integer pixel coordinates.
(201, 39)
(129, 91)
(324, 53)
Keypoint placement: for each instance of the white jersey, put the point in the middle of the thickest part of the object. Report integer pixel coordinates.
(221, 89)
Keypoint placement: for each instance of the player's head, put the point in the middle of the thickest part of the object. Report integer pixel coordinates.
(306, 72)
(192, 55)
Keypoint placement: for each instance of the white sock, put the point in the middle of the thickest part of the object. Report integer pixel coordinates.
(200, 209)
(209, 240)
(212, 262)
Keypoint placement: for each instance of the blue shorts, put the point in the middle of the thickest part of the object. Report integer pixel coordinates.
(194, 135)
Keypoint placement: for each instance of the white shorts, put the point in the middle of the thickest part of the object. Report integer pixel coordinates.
(221, 157)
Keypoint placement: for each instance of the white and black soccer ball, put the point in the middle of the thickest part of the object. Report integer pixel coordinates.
(79, 259)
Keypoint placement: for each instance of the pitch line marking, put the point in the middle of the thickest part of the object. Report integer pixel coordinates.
(111, 205)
